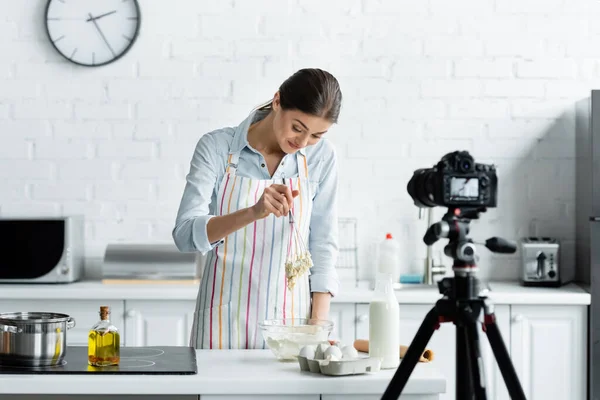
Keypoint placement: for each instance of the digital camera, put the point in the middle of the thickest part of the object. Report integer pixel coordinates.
(455, 181)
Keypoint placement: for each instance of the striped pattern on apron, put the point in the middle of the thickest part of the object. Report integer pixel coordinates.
(244, 280)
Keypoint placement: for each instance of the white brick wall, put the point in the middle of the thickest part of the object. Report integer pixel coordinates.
(420, 78)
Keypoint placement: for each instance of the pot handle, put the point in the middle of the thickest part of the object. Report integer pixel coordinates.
(10, 329)
(70, 323)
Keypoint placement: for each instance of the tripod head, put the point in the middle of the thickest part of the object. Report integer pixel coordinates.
(454, 226)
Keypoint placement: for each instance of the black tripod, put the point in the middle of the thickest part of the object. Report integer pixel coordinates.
(461, 304)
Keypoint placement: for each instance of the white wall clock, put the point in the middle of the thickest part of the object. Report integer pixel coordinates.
(90, 32)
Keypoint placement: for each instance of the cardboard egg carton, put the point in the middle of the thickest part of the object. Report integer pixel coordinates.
(360, 364)
(355, 366)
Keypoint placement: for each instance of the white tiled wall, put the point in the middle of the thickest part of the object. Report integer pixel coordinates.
(420, 78)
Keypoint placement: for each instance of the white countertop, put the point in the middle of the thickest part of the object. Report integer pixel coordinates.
(227, 372)
(513, 293)
(501, 293)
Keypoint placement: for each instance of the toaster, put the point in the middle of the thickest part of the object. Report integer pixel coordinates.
(540, 261)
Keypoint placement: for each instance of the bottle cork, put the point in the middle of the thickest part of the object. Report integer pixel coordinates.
(104, 311)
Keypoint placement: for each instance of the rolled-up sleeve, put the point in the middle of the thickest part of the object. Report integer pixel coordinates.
(323, 239)
(193, 215)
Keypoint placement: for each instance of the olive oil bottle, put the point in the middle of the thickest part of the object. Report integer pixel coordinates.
(104, 341)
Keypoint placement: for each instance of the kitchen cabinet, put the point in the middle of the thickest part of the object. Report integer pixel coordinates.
(85, 312)
(548, 349)
(343, 316)
(158, 322)
(152, 322)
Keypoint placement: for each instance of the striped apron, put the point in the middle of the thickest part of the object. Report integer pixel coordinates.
(244, 279)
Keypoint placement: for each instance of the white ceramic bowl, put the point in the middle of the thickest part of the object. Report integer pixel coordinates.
(285, 337)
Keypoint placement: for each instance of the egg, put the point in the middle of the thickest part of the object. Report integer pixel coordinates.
(308, 352)
(320, 352)
(349, 352)
(333, 352)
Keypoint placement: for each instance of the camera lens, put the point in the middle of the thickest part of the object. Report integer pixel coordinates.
(421, 186)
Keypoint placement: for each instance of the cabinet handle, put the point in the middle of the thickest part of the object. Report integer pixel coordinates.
(362, 318)
(518, 318)
(131, 313)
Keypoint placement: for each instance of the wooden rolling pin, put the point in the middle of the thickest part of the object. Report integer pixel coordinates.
(363, 346)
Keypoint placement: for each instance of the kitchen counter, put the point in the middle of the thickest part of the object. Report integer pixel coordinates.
(232, 372)
(501, 293)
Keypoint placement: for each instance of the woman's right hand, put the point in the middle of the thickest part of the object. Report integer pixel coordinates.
(276, 199)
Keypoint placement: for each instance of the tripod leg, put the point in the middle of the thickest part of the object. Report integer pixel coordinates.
(463, 364)
(413, 354)
(476, 360)
(511, 380)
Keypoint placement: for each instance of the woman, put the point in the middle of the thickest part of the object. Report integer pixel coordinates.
(244, 185)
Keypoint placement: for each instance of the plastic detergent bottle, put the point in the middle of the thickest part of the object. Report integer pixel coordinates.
(388, 257)
(384, 318)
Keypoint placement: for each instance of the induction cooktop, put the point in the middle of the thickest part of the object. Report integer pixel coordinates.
(159, 360)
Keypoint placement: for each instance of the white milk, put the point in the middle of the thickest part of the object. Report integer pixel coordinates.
(384, 325)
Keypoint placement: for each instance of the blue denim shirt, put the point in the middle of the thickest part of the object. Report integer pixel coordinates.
(207, 168)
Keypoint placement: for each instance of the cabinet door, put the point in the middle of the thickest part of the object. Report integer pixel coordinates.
(361, 326)
(342, 315)
(159, 322)
(442, 342)
(85, 313)
(548, 349)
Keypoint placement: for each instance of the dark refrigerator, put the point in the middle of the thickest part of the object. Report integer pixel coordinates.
(587, 214)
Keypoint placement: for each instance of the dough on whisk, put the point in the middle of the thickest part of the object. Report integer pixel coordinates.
(298, 260)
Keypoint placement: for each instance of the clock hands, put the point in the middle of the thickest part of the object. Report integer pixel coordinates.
(99, 16)
(101, 34)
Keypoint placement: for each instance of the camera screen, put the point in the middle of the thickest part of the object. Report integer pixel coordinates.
(464, 188)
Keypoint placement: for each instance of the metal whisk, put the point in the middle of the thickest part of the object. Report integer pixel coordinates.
(298, 260)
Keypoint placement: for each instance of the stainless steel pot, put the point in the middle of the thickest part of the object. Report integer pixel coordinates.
(33, 339)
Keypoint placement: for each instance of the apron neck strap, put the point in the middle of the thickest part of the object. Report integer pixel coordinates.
(302, 166)
(232, 162)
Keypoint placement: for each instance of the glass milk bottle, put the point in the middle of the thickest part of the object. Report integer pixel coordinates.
(384, 317)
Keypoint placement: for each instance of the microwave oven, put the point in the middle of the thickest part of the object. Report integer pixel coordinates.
(41, 250)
